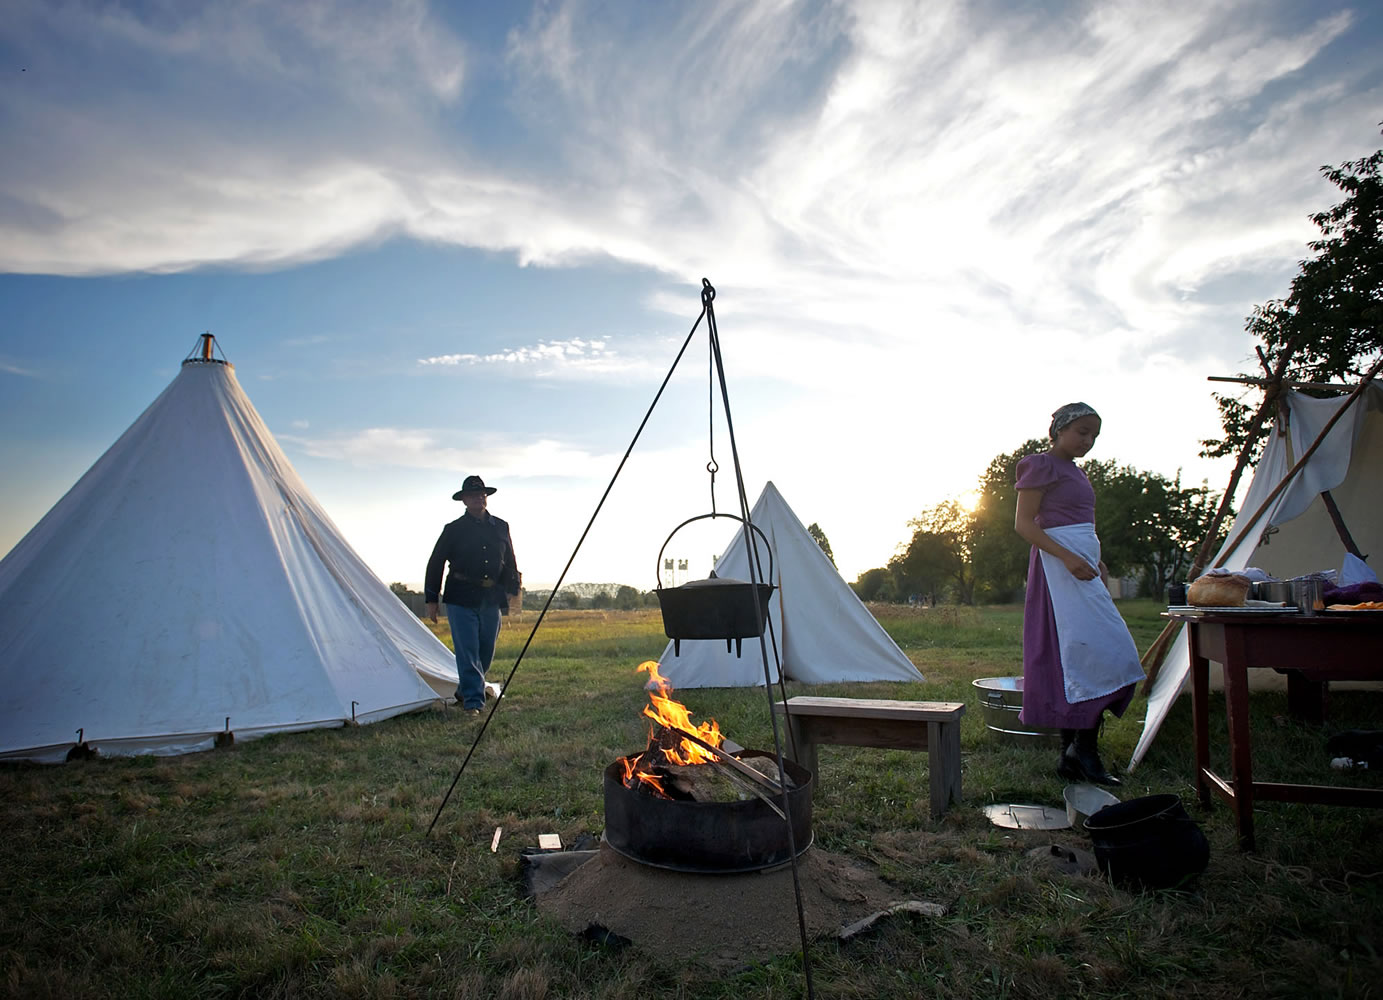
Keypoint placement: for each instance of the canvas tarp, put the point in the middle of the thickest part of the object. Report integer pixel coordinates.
(188, 584)
(1296, 535)
(822, 631)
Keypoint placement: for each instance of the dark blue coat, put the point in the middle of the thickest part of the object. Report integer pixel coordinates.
(480, 556)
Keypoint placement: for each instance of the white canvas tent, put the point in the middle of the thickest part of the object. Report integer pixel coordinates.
(822, 630)
(189, 584)
(1296, 534)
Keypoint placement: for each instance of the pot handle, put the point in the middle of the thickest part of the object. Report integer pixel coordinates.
(702, 517)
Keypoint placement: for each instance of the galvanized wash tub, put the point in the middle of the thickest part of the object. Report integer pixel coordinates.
(1001, 699)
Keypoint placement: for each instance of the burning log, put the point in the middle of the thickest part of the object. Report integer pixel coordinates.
(769, 768)
(700, 783)
(721, 777)
(685, 760)
(738, 765)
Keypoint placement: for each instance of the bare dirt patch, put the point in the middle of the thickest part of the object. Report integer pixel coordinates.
(726, 921)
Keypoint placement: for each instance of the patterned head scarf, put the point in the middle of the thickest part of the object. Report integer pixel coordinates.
(1069, 414)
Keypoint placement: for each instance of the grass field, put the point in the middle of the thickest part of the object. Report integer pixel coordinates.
(298, 866)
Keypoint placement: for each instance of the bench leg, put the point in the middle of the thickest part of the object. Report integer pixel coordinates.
(943, 765)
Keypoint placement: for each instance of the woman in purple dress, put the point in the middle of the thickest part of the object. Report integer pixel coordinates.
(1078, 656)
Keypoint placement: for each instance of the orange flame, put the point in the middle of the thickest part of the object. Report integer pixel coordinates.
(673, 714)
(654, 782)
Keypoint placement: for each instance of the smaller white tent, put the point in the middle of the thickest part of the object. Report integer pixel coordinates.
(189, 584)
(1296, 534)
(823, 632)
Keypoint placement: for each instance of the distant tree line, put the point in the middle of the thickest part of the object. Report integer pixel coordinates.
(596, 596)
(1149, 527)
(608, 596)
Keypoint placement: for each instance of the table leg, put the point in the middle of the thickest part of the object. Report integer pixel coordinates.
(1200, 717)
(1240, 740)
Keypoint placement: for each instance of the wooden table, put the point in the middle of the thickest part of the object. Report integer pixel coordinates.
(1313, 650)
(933, 726)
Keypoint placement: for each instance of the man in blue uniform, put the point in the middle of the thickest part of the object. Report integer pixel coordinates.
(481, 577)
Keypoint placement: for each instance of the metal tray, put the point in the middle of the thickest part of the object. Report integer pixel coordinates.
(1200, 609)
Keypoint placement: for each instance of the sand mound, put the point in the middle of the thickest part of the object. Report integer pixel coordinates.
(727, 921)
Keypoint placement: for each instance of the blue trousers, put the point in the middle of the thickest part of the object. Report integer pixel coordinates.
(473, 632)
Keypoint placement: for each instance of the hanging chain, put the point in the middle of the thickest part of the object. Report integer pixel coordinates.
(708, 294)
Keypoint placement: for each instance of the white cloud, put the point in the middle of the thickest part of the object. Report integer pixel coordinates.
(377, 447)
(573, 351)
(910, 209)
(927, 164)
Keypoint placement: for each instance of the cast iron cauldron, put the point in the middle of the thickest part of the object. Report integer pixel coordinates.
(1148, 843)
(715, 608)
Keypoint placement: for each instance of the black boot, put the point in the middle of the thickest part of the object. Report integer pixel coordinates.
(1066, 767)
(1084, 754)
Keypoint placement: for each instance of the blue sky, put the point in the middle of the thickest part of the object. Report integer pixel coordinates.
(444, 239)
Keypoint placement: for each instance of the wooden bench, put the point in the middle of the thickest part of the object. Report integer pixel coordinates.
(933, 726)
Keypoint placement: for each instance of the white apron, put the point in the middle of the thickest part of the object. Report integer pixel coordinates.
(1098, 656)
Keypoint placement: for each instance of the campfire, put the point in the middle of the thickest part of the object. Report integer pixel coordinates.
(686, 761)
(687, 803)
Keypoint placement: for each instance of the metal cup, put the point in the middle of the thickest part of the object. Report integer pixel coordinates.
(1308, 596)
(1176, 595)
(1275, 591)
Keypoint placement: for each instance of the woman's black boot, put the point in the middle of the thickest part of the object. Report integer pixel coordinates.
(1066, 767)
(1085, 755)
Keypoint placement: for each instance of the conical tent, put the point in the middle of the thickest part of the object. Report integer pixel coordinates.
(823, 632)
(1296, 534)
(188, 585)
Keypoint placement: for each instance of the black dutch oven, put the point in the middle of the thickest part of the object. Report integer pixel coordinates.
(717, 607)
(1148, 843)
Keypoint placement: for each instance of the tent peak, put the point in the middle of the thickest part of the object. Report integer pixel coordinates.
(201, 354)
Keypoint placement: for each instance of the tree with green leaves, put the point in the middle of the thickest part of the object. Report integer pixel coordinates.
(937, 562)
(876, 584)
(1000, 557)
(1149, 524)
(819, 537)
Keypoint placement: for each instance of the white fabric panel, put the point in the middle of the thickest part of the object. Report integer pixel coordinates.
(189, 578)
(824, 633)
(1349, 463)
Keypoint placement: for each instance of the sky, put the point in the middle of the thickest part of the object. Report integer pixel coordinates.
(445, 239)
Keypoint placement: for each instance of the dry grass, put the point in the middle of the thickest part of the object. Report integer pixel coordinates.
(297, 866)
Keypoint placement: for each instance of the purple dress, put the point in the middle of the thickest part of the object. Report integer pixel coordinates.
(1067, 498)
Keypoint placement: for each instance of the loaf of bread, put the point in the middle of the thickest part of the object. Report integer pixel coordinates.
(1220, 590)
